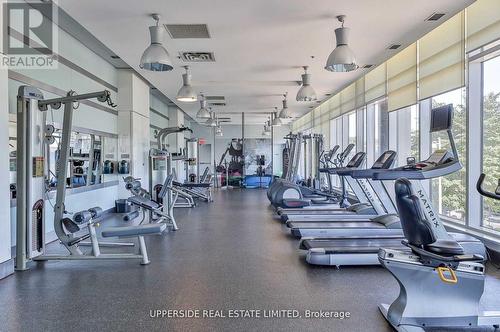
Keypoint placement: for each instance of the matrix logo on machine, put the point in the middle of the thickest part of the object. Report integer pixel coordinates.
(29, 35)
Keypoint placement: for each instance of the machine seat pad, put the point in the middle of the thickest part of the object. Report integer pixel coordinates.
(294, 203)
(131, 231)
(196, 185)
(144, 202)
(313, 196)
(321, 201)
(445, 247)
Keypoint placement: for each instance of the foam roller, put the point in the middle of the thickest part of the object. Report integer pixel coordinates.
(131, 216)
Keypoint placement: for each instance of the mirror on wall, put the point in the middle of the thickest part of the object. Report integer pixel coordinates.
(93, 158)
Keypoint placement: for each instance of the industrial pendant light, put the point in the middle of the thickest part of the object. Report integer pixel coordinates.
(218, 129)
(342, 58)
(277, 121)
(156, 57)
(203, 113)
(212, 122)
(267, 129)
(285, 113)
(186, 92)
(306, 91)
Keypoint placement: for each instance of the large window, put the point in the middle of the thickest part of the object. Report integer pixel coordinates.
(351, 119)
(336, 133)
(404, 133)
(449, 193)
(491, 139)
(376, 124)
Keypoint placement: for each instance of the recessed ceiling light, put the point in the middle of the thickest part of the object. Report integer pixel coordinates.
(394, 47)
(115, 57)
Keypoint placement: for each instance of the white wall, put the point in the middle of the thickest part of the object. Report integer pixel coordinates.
(5, 226)
(133, 125)
(155, 119)
(278, 144)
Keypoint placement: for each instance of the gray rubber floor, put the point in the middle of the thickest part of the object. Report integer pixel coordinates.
(227, 255)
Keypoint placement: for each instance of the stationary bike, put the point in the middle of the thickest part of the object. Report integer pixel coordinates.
(440, 286)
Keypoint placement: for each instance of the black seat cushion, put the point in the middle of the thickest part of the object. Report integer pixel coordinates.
(415, 228)
(445, 247)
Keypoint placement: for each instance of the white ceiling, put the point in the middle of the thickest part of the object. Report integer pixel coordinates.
(259, 45)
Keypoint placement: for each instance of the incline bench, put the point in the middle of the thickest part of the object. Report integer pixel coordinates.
(143, 200)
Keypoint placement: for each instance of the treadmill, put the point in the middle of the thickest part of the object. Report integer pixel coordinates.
(374, 191)
(321, 200)
(362, 249)
(364, 207)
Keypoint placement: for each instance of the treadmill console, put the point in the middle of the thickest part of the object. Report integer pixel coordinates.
(346, 152)
(357, 160)
(385, 161)
(330, 155)
(439, 157)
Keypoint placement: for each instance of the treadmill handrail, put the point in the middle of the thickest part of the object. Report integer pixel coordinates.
(411, 174)
(482, 191)
(366, 173)
(336, 170)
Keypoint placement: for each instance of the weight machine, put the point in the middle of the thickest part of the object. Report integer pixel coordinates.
(33, 136)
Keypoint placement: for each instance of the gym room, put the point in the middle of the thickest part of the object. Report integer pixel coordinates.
(327, 165)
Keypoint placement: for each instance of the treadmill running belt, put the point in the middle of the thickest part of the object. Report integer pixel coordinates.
(361, 246)
(334, 225)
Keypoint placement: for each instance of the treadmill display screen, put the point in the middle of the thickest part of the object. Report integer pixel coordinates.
(437, 157)
(441, 118)
(357, 160)
(383, 159)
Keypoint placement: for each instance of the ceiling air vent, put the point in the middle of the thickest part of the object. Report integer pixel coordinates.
(197, 56)
(115, 57)
(394, 47)
(180, 31)
(216, 100)
(367, 66)
(435, 17)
